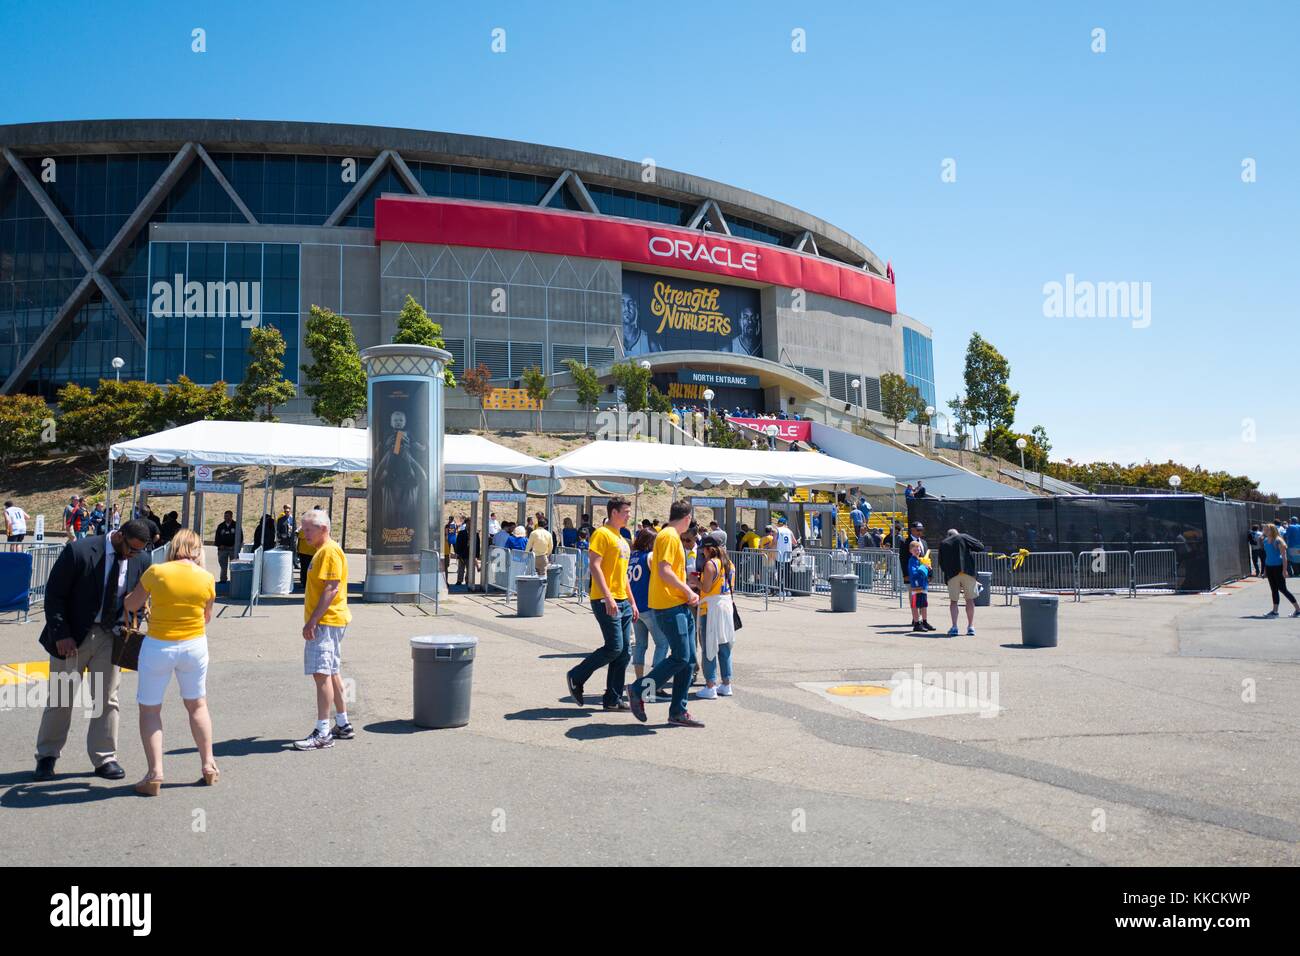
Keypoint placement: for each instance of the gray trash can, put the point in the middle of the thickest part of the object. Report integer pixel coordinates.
(985, 596)
(553, 573)
(530, 595)
(1038, 620)
(443, 666)
(241, 580)
(844, 592)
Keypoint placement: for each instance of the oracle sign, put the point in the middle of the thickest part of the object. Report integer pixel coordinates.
(668, 247)
(785, 430)
(463, 222)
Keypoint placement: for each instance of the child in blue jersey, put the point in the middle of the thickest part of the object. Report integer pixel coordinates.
(638, 578)
(918, 577)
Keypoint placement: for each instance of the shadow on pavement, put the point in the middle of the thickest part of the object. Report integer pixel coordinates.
(394, 727)
(560, 657)
(1025, 647)
(605, 731)
(239, 747)
(549, 713)
(60, 793)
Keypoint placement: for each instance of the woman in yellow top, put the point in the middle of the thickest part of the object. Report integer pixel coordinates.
(718, 628)
(179, 593)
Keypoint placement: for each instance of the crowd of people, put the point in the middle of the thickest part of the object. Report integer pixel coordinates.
(95, 595)
(1275, 556)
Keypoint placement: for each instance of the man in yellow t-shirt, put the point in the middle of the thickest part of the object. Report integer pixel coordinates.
(673, 603)
(325, 610)
(305, 551)
(613, 605)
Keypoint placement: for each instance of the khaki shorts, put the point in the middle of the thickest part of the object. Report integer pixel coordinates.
(959, 583)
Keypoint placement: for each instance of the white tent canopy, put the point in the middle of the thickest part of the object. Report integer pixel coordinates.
(275, 444)
(694, 466)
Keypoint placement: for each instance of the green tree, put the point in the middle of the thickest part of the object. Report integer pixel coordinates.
(264, 386)
(184, 401)
(1042, 448)
(414, 327)
(587, 385)
(335, 380)
(961, 423)
(477, 383)
(634, 382)
(538, 390)
(93, 419)
(25, 422)
(657, 401)
(898, 399)
(723, 435)
(988, 396)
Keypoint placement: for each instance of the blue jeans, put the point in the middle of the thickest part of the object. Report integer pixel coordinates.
(711, 666)
(675, 627)
(644, 627)
(617, 632)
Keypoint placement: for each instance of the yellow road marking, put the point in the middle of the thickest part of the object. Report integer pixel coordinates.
(24, 672)
(858, 690)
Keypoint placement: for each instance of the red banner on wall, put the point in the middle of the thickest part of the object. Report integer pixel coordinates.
(785, 430)
(559, 232)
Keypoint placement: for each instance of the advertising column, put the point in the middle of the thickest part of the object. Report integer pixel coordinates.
(405, 401)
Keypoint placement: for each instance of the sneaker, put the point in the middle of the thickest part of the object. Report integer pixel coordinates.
(575, 689)
(970, 632)
(346, 732)
(706, 693)
(685, 720)
(724, 690)
(916, 626)
(927, 626)
(1272, 613)
(620, 706)
(316, 741)
(1296, 612)
(636, 704)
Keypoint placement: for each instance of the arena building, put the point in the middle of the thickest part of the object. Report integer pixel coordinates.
(162, 242)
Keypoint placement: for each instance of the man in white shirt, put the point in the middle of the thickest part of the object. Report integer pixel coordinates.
(15, 521)
(784, 542)
(493, 524)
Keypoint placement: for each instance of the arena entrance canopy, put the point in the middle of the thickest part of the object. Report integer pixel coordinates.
(694, 467)
(275, 444)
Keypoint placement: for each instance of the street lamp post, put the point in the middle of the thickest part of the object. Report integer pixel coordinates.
(929, 428)
(856, 384)
(708, 397)
(118, 362)
(770, 431)
(1021, 443)
(1174, 482)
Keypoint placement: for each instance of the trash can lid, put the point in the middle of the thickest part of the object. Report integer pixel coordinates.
(1035, 597)
(427, 641)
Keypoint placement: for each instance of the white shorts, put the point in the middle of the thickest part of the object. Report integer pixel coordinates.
(188, 660)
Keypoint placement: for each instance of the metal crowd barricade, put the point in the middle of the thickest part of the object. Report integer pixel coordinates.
(808, 572)
(430, 577)
(502, 570)
(878, 572)
(1155, 570)
(1103, 572)
(575, 571)
(753, 574)
(1050, 571)
(44, 554)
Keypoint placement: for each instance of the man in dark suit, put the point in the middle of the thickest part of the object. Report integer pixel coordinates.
(83, 603)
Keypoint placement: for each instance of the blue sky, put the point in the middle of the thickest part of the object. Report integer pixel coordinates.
(1122, 166)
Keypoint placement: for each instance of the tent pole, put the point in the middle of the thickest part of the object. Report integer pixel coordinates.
(108, 502)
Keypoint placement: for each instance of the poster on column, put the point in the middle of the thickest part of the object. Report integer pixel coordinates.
(399, 483)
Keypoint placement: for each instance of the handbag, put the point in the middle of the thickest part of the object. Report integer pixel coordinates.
(127, 640)
(735, 615)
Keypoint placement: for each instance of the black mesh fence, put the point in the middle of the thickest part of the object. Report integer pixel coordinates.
(1207, 536)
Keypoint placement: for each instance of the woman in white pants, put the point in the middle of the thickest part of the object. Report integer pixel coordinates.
(717, 626)
(180, 594)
